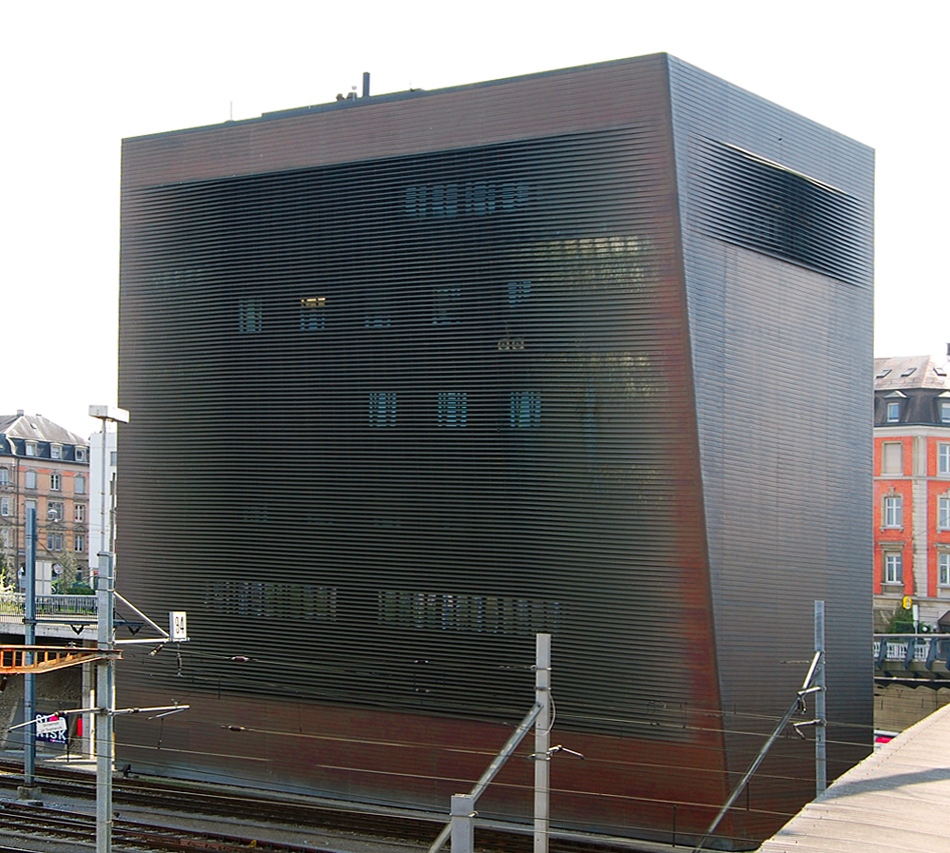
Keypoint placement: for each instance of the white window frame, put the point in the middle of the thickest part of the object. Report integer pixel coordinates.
(893, 411)
(59, 507)
(893, 568)
(943, 512)
(79, 511)
(943, 568)
(79, 542)
(5, 506)
(895, 448)
(80, 453)
(56, 451)
(4, 476)
(892, 516)
(31, 448)
(55, 482)
(943, 459)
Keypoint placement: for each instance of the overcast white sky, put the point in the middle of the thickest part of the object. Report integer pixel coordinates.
(80, 76)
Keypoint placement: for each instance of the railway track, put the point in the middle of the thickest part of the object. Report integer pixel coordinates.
(161, 806)
(182, 813)
(77, 831)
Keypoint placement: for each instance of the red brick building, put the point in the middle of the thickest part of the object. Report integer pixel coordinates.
(911, 487)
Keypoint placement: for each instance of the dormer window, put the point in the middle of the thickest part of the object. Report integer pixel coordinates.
(31, 448)
(943, 407)
(56, 451)
(80, 454)
(892, 407)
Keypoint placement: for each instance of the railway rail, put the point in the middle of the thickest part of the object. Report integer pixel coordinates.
(77, 831)
(184, 816)
(225, 806)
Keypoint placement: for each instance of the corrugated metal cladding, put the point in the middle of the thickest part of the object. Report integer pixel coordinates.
(411, 381)
(777, 224)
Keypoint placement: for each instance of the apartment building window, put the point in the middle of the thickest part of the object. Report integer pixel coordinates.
(943, 512)
(56, 511)
(79, 484)
(943, 459)
(893, 567)
(80, 454)
(4, 476)
(29, 479)
(382, 408)
(56, 482)
(250, 314)
(56, 451)
(54, 541)
(79, 542)
(893, 511)
(944, 406)
(31, 448)
(4, 506)
(943, 568)
(892, 457)
(453, 408)
(80, 512)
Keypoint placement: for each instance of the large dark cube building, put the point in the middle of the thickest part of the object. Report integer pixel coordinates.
(413, 377)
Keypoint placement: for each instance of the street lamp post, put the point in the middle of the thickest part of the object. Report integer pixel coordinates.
(105, 669)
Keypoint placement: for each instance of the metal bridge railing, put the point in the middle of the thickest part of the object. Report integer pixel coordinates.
(13, 604)
(910, 649)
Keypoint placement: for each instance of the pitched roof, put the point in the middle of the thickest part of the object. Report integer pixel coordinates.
(37, 428)
(910, 371)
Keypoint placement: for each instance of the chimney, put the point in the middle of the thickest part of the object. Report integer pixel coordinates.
(366, 84)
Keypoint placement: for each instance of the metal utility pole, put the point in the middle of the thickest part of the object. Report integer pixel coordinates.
(821, 733)
(461, 828)
(542, 744)
(29, 790)
(105, 668)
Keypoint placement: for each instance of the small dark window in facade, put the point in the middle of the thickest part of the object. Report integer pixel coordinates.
(313, 314)
(250, 314)
(453, 409)
(382, 408)
(525, 409)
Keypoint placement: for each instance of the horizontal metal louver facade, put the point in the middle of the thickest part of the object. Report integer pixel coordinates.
(410, 382)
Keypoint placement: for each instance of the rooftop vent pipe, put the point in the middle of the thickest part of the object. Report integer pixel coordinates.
(366, 84)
